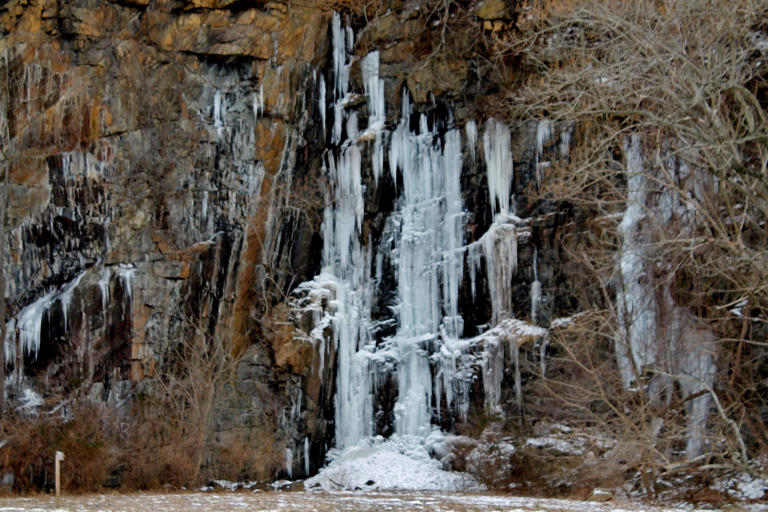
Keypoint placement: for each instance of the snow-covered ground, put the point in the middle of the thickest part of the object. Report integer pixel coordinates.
(319, 501)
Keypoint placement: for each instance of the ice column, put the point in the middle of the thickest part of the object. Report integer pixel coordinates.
(682, 348)
(428, 260)
(346, 263)
(498, 159)
(637, 310)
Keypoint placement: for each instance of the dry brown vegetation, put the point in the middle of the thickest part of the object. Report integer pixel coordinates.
(688, 76)
(162, 437)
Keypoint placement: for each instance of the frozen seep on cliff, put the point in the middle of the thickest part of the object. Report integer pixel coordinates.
(377, 257)
(425, 350)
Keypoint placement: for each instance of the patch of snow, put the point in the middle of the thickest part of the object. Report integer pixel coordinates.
(397, 463)
(743, 486)
(565, 321)
(558, 444)
(30, 400)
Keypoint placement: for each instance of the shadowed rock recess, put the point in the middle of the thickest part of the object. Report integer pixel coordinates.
(315, 190)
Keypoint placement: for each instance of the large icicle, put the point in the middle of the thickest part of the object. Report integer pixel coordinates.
(637, 310)
(498, 159)
(429, 261)
(347, 263)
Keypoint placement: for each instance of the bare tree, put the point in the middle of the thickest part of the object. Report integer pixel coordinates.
(687, 79)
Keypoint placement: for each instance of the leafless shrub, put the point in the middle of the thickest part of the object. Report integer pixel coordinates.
(690, 77)
(30, 443)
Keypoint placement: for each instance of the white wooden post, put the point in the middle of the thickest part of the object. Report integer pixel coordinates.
(59, 458)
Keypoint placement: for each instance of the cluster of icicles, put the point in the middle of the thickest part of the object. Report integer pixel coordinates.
(24, 330)
(424, 241)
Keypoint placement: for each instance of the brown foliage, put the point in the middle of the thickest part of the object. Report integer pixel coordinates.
(33, 441)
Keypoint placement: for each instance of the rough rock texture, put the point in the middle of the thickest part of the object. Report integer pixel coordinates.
(154, 151)
(165, 174)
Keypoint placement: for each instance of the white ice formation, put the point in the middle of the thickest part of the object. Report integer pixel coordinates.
(423, 243)
(651, 352)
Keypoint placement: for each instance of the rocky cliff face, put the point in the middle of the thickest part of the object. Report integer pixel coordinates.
(160, 159)
(322, 195)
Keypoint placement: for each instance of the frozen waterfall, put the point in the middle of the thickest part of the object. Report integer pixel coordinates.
(426, 353)
(428, 258)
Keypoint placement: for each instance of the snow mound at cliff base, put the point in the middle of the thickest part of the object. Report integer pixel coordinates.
(397, 463)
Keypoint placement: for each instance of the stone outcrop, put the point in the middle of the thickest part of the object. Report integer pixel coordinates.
(153, 151)
(165, 178)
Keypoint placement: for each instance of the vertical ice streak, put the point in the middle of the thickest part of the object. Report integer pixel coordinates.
(535, 288)
(453, 234)
(498, 159)
(321, 92)
(9, 343)
(543, 135)
(104, 277)
(429, 261)
(289, 462)
(218, 123)
(66, 296)
(126, 272)
(471, 130)
(636, 345)
(258, 102)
